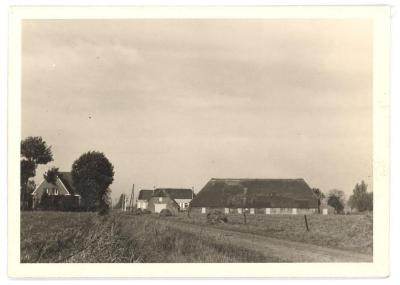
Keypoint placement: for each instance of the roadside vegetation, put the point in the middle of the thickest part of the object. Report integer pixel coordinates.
(48, 237)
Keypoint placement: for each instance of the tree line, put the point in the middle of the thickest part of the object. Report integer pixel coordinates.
(361, 199)
(92, 174)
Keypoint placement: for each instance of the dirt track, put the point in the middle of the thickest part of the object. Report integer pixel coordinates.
(287, 251)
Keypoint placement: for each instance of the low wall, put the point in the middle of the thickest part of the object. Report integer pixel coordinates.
(255, 211)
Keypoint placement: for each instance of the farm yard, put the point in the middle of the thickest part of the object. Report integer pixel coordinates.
(123, 237)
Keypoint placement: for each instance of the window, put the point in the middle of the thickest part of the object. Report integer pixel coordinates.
(186, 205)
(226, 210)
(268, 211)
(159, 199)
(47, 190)
(203, 210)
(252, 211)
(55, 191)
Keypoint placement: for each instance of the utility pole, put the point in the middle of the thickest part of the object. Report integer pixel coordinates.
(132, 198)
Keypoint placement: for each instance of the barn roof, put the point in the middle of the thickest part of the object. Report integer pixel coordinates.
(174, 193)
(145, 194)
(256, 193)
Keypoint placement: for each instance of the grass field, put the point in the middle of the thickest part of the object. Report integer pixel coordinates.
(122, 237)
(87, 237)
(348, 232)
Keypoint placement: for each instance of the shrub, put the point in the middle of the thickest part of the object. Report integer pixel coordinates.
(137, 211)
(145, 211)
(216, 217)
(165, 213)
(104, 211)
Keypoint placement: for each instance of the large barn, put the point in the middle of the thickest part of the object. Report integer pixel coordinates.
(257, 196)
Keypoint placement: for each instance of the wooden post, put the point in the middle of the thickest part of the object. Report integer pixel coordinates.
(305, 220)
(244, 203)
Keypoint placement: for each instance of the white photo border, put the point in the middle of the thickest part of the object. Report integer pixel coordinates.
(381, 43)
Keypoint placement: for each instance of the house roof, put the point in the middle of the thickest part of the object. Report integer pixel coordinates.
(174, 193)
(145, 194)
(256, 193)
(66, 179)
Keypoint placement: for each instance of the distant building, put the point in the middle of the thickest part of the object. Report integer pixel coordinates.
(174, 199)
(61, 195)
(143, 198)
(256, 196)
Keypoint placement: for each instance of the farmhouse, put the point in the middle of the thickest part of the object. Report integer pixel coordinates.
(143, 198)
(61, 195)
(174, 199)
(266, 196)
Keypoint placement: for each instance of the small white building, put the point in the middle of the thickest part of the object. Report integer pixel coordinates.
(143, 199)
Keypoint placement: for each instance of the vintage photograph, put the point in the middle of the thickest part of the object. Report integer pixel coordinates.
(196, 141)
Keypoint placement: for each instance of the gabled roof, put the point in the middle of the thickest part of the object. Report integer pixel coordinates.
(66, 179)
(256, 193)
(145, 194)
(63, 181)
(174, 193)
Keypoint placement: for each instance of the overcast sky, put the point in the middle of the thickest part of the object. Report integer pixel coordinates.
(173, 103)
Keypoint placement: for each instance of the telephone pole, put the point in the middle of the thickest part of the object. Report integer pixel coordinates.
(132, 198)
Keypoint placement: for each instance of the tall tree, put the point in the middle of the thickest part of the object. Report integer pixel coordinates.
(336, 200)
(320, 196)
(34, 151)
(361, 199)
(92, 174)
(120, 202)
(51, 175)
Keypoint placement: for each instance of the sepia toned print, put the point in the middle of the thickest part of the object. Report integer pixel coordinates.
(197, 141)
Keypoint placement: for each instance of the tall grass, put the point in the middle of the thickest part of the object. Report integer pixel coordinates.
(87, 237)
(348, 232)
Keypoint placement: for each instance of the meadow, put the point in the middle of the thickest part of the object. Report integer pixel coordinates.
(48, 237)
(347, 232)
